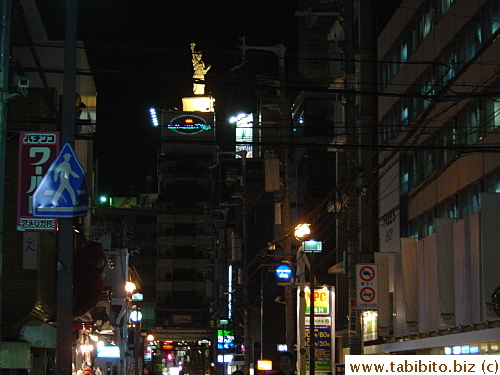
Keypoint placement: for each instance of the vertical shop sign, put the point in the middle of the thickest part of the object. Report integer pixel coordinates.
(323, 336)
(37, 151)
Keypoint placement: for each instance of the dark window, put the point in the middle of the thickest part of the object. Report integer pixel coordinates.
(185, 229)
(200, 275)
(184, 252)
(184, 300)
(148, 252)
(184, 274)
(145, 219)
(186, 167)
(165, 251)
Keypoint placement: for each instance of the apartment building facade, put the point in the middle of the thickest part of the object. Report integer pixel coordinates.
(439, 178)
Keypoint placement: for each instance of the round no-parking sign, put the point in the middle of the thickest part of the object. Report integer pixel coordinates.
(367, 294)
(366, 273)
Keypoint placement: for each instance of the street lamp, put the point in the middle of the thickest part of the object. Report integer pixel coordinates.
(135, 318)
(130, 287)
(302, 232)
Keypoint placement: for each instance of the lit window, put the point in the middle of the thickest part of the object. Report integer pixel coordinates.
(404, 116)
(404, 52)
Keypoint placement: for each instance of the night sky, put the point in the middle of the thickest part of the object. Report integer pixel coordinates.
(140, 56)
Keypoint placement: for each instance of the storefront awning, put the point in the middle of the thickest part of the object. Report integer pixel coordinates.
(337, 268)
(15, 355)
(38, 334)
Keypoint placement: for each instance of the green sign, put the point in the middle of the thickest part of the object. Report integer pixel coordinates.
(225, 339)
(312, 246)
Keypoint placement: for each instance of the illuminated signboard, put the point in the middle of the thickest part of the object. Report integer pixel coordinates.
(321, 301)
(244, 132)
(188, 124)
(323, 336)
(312, 246)
(225, 339)
(37, 151)
(148, 353)
(168, 345)
(108, 352)
(369, 322)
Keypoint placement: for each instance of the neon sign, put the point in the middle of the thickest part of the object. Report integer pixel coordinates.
(225, 339)
(188, 124)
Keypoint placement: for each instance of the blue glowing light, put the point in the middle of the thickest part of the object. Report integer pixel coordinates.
(284, 271)
(154, 117)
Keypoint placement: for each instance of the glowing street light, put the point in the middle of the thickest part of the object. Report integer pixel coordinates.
(130, 287)
(135, 315)
(301, 232)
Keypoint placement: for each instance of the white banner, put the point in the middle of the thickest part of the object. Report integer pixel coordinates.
(30, 250)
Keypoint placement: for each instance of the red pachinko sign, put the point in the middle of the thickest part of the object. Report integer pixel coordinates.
(37, 151)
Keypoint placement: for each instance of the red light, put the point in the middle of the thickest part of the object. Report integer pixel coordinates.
(167, 345)
(189, 121)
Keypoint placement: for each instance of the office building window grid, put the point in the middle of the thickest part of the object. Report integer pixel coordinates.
(482, 30)
(458, 206)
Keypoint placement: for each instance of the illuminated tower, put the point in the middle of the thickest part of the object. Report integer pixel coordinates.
(184, 240)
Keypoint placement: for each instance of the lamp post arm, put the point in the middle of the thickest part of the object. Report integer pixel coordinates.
(278, 50)
(302, 259)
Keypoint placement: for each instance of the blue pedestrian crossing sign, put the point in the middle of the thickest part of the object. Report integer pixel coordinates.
(63, 191)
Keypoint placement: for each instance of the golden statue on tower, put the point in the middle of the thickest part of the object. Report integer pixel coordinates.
(199, 71)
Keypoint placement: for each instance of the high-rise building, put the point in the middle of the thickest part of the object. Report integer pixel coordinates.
(439, 179)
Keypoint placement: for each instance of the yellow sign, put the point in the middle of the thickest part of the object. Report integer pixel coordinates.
(264, 364)
(321, 301)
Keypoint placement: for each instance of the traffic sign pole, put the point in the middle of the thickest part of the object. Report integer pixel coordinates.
(312, 348)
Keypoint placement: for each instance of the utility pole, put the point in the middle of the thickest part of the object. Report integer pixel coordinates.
(285, 128)
(290, 332)
(246, 302)
(5, 19)
(352, 161)
(64, 333)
